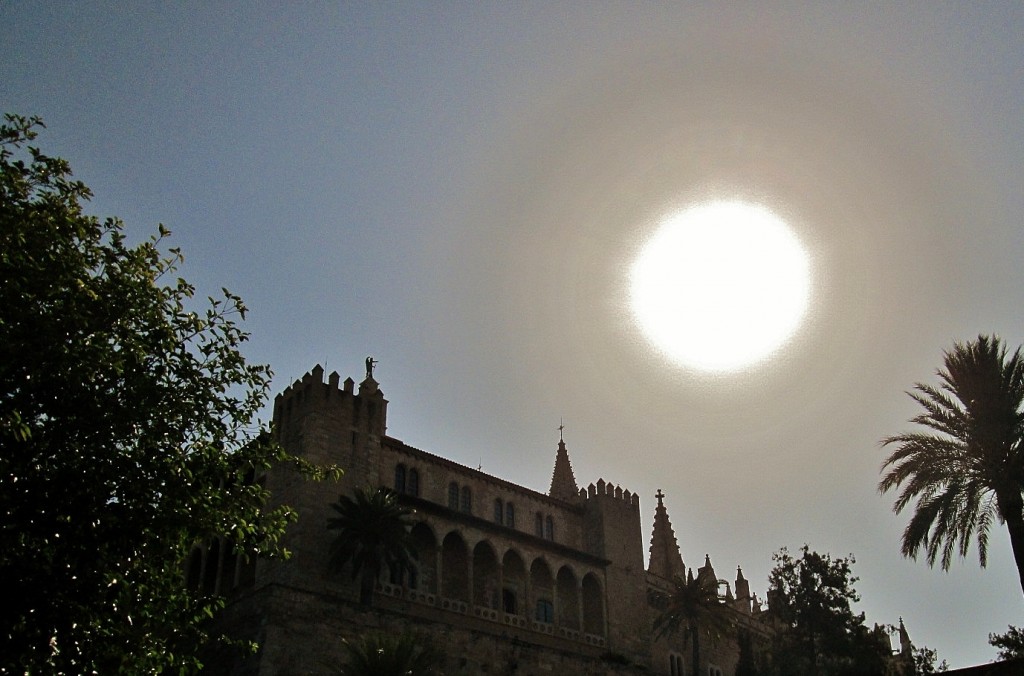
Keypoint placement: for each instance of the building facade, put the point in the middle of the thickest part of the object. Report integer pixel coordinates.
(507, 579)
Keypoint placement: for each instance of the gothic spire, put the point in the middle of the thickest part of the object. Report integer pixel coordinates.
(665, 560)
(563, 483)
(906, 647)
(706, 574)
(743, 597)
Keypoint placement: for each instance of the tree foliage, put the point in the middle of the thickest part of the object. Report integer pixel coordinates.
(126, 433)
(810, 599)
(391, 655)
(925, 659)
(694, 608)
(967, 470)
(373, 536)
(1010, 644)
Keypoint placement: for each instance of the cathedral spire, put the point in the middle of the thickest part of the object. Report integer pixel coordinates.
(665, 560)
(563, 483)
(906, 647)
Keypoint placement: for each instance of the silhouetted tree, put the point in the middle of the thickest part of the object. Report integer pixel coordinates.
(1010, 644)
(373, 536)
(967, 470)
(128, 433)
(693, 607)
(925, 660)
(810, 600)
(391, 655)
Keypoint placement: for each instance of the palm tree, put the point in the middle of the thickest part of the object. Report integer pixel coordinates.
(373, 535)
(694, 607)
(967, 470)
(391, 655)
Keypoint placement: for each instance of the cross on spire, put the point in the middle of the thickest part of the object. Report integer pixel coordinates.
(665, 561)
(563, 483)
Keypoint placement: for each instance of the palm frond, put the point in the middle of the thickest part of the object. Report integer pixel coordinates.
(373, 534)
(971, 453)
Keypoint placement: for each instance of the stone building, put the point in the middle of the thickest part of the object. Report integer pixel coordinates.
(508, 580)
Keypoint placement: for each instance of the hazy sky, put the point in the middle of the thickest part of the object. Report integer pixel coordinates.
(459, 189)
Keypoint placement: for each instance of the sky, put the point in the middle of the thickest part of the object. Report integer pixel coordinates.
(459, 189)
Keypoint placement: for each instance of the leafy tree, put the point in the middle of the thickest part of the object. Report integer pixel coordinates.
(373, 536)
(391, 655)
(924, 662)
(693, 607)
(810, 599)
(967, 470)
(126, 433)
(1010, 644)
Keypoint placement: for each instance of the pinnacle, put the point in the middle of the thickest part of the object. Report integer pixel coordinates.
(563, 482)
(665, 560)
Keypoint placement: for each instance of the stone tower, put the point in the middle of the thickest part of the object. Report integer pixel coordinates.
(611, 519)
(327, 423)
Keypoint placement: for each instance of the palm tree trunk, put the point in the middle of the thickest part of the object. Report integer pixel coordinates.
(695, 637)
(367, 581)
(1012, 510)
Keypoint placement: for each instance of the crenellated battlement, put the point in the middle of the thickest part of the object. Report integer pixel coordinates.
(310, 412)
(603, 490)
(308, 390)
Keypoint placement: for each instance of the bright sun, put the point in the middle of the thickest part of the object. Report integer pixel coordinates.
(720, 285)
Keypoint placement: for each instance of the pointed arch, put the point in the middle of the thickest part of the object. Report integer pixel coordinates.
(567, 601)
(425, 543)
(542, 586)
(455, 567)
(514, 584)
(399, 478)
(593, 605)
(486, 576)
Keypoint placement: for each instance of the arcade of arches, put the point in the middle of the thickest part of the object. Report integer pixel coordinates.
(505, 580)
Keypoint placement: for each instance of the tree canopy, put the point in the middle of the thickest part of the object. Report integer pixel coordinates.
(965, 471)
(693, 607)
(379, 654)
(1010, 644)
(810, 597)
(373, 536)
(127, 432)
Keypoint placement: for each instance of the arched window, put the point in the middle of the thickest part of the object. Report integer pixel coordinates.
(593, 605)
(467, 500)
(538, 525)
(499, 511)
(508, 601)
(549, 528)
(453, 495)
(510, 515)
(545, 611)
(400, 478)
(412, 484)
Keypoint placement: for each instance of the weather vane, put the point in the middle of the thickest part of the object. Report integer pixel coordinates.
(561, 426)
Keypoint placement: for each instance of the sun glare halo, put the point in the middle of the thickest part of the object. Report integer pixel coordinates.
(720, 286)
